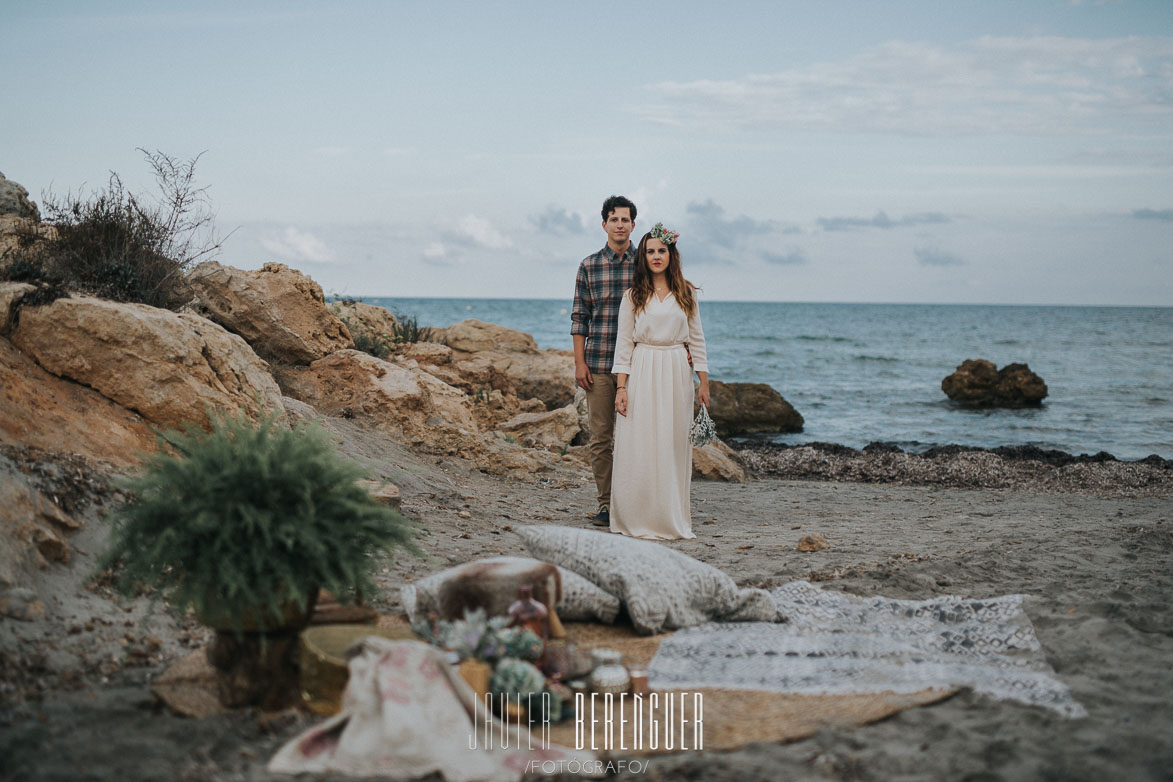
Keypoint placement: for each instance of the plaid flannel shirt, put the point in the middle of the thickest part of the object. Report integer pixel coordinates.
(598, 292)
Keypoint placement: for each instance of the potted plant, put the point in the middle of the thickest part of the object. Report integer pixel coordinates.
(245, 523)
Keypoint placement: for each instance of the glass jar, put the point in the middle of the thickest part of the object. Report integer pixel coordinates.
(609, 675)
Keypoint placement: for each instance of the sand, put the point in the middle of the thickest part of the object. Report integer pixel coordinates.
(1096, 568)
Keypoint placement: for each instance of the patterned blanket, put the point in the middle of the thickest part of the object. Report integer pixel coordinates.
(835, 643)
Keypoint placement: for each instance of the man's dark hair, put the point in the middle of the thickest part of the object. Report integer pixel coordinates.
(615, 202)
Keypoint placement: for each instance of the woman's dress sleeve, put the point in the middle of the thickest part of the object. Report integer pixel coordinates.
(625, 336)
(696, 341)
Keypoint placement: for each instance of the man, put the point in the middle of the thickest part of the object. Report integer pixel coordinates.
(598, 291)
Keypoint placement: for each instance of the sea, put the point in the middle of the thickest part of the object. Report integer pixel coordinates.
(863, 373)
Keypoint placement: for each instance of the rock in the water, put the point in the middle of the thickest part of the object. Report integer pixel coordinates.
(279, 311)
(14, 200)
(748, 408)
(555, 429)
(717, 462)
(167, 367)
(978, 383)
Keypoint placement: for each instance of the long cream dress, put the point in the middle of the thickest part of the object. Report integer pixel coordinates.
(653, 459)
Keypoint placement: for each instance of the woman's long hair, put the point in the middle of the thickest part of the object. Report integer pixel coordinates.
(642, 288)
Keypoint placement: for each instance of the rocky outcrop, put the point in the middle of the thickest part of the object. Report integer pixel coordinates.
(279, 311)
(362, 318)
(717, 462)
(511, 362)
(53, 414)
(552, 430)
(476, 336)
(14, 200)
(977, 383)
(168, 367)
(747, 408)
(429, 414)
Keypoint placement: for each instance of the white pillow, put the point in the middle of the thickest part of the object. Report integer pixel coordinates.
(661, 588)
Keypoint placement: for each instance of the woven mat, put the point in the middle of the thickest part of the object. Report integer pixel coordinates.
(731, 718)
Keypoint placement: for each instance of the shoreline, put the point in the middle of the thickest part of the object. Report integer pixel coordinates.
(1026, 468)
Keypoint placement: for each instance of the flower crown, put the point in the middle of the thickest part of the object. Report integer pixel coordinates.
(665, 235)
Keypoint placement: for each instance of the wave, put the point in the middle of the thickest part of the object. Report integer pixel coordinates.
(884, 359)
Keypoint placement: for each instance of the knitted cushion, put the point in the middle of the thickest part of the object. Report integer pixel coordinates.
(661, 588)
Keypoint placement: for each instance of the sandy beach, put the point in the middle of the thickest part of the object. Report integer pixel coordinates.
(1095, 569)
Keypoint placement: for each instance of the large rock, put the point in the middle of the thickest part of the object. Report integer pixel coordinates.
(14, 200)
(427, 413)
(362, 318)
(553, 430)
(279, 311)
(167, 367)
(516, 364)
(977, 383)
(746, 408)
(54, 414)
(717, 462)
(475, 336)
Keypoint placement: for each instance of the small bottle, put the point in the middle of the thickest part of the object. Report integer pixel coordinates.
(529, 613)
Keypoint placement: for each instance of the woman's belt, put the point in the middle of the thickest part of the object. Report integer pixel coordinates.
(672, 346)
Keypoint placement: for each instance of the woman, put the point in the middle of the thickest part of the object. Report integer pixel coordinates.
(653, 458)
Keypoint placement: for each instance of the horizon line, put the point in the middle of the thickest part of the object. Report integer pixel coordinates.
(777, 301)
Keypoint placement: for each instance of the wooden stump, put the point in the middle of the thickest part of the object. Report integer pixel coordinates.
(256, 669)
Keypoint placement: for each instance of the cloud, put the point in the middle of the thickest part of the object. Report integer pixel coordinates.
(933, 256)
(436, 254)
(558, 222)
(296, 245)
(708, 219)
(1164, 215)
(479, 232)
(881, 220)
(791, 257)
(1032, 85)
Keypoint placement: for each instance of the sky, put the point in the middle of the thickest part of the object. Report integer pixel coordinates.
(899, 151)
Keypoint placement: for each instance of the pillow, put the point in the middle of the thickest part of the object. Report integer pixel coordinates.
(662, 588)
(492, 583)
(583, 601)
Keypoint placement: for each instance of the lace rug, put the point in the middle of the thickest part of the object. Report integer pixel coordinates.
(842, 644)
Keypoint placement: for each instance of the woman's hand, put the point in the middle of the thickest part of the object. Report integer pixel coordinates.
(702, 395)
(621, 401)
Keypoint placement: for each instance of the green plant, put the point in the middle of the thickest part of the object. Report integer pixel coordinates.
(118, 245)
(246, 519)
(407, 329)
(480, 637)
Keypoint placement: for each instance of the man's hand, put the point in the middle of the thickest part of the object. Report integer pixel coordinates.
(582, 377)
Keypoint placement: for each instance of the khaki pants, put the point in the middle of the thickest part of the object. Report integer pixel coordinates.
(601, 410)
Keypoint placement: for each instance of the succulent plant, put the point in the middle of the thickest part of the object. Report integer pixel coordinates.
(516, 680)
